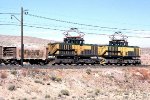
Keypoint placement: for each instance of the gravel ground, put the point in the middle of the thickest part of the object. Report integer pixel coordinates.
(74, 82)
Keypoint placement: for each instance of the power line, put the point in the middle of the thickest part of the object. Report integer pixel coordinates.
(10, 13)
(95, 26)
(44, 27)
(40, 27)
(10, 24)
(35, 27)
(95, 19)
(69, 22)
(60, 26)
(75, 23)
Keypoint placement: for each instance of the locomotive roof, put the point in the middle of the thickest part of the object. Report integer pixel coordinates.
(96, 44)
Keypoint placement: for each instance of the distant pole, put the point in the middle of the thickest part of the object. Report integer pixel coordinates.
(22, 46)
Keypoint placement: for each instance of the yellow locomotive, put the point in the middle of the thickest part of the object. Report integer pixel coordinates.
(119, 52)
(74, 51)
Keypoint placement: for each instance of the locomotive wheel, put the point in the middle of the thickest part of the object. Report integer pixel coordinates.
(41, 63)
(13, 62)
(6, 63)
(53, 64)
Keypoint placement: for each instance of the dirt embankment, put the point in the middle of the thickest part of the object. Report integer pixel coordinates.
(75, 84)
(145, 56)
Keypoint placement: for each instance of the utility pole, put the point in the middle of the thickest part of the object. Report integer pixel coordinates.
(22, 46)
(21, 22)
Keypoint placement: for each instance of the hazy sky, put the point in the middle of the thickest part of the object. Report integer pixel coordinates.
(131, 17)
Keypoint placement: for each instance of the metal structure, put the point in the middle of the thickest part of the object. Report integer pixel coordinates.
(118, 39)
(118, 34)
(22, 45)
(68, 33)
(21, 29)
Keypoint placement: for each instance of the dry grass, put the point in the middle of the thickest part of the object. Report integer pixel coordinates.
(38, 81)
(65, 92)
(97, 91)
(14, 72)
(47, 96)
(12, 88)
(88, 71)
(77, 84)
(55, 78)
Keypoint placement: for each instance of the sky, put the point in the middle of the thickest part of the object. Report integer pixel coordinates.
(131, 17)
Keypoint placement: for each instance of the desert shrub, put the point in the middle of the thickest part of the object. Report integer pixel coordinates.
(12, 88)
(88, 71)
(111, 76)
(47, 96)
(38, 81)
(55, 78)
(48, 84)
(4, 75)
(90, 91)
(65, 92)
(24, 99)
(97, 91)
(14, 72)
(35, 71)
(46, 78)
(43, 73)
(34, 97)
(58, 79)
(73, 96)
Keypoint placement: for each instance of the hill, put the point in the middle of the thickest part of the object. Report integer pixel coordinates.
(8, 40)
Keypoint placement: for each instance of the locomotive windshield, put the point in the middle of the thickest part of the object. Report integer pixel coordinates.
(74, 40)
(118, 42)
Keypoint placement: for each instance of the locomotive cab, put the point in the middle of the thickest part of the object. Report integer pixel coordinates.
(118, 43)
(74, 40)
(119, 52)
(118, 39)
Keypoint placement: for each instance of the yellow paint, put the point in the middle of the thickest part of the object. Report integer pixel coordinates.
(101, 49)
(79, 48)
(53, 47)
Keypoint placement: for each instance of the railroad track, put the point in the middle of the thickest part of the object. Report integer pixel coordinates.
(2, 67)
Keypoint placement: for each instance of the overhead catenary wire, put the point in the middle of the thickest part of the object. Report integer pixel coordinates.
(89, 25)
(40, 27)
(70, 22)
(10, 13)
(10, 24)
(34, 26)
(94, 26)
